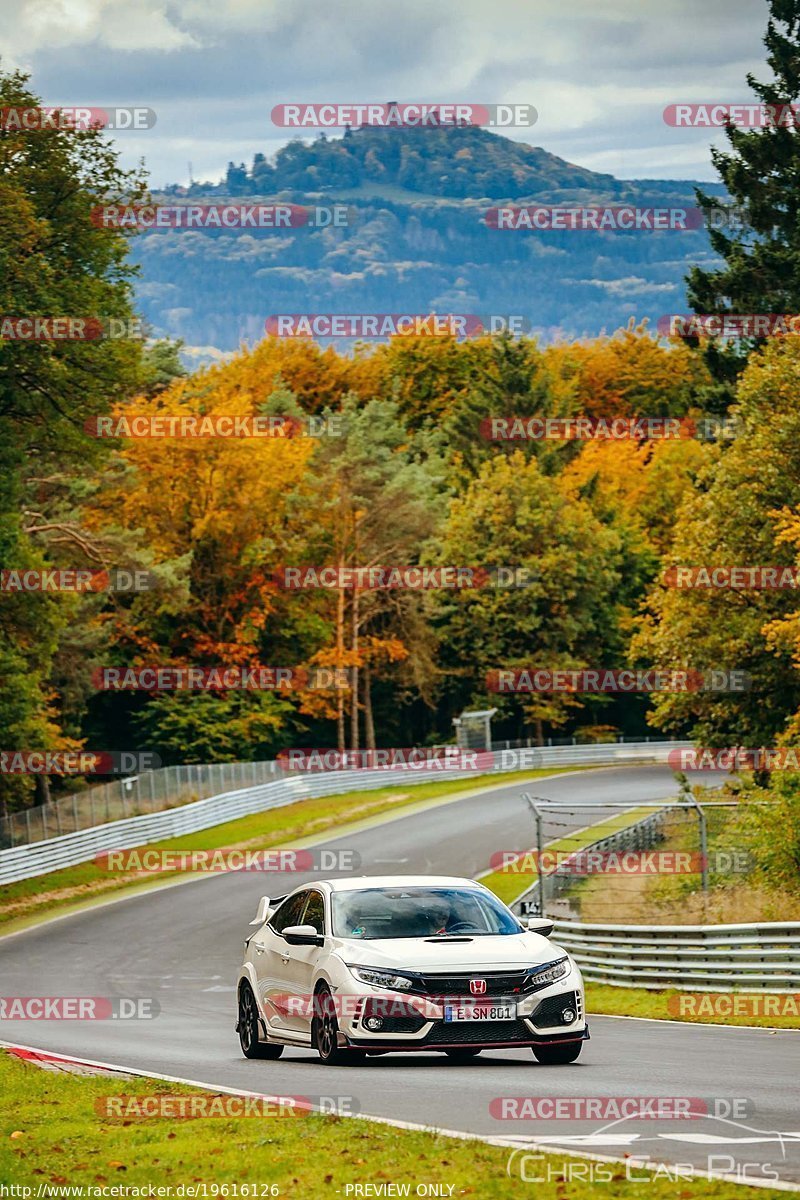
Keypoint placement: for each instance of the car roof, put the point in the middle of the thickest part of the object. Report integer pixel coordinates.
(363, 882)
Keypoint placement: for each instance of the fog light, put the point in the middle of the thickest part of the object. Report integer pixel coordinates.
(568, 1016)
(374, 1023)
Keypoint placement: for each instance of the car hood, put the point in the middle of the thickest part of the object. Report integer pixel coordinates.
(510, 951)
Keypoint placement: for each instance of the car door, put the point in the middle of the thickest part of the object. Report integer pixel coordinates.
(302, 961)
(271, 957)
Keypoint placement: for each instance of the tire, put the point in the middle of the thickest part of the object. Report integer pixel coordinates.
(248, 1030)
(554, 1055)
(324, 1028)
(463, 1054)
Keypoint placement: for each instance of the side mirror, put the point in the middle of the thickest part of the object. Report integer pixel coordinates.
(540, 925)
(303, 935)
(263, 911)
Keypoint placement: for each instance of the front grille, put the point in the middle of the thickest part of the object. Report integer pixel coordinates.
(473, 1032)
(548, 1013)
(498, 983)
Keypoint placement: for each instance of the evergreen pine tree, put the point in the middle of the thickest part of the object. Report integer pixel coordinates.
(760, 170)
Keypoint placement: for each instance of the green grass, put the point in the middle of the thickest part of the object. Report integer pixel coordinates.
(660, 898)
(37, 898)
(510, 883)
(670, 899)
(667, 1005)
(52, 1136)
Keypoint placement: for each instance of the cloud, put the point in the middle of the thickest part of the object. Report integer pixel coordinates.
(42, 25)
(600, 76)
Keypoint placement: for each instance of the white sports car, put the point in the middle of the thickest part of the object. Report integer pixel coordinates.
(408, 962)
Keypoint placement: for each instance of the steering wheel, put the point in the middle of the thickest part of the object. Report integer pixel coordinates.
(462, 927)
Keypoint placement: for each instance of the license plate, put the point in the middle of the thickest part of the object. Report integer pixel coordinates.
(480, 1012)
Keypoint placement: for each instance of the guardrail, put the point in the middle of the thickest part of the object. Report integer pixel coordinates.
(131, 796)
(750, 958)
(169, 787)
(54, 853)
(705, 958)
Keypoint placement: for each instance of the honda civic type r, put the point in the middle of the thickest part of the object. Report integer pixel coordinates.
(351, 967)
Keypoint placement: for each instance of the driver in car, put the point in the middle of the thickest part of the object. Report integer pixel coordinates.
(439, 914)
(452, 915)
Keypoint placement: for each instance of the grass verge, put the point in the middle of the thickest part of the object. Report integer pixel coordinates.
(723, 1008)
(52, 1138)
(34, 899)
(735, 896)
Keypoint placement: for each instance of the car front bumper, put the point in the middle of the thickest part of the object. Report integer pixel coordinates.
(485, 1039)
(407, 1024)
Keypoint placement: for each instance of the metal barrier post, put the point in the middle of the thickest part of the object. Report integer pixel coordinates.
(701, 817)
(539, 849)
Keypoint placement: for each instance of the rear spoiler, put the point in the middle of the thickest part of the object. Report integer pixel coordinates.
(265, 905)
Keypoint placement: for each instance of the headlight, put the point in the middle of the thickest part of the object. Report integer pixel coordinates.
(549, 974)
(384, 979)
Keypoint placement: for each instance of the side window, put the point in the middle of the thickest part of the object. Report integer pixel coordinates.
(315, 912)
(289, 912)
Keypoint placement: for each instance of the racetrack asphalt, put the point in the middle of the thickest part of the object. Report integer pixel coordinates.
(182, 945)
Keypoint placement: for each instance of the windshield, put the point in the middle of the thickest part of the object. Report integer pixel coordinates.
(419, 912)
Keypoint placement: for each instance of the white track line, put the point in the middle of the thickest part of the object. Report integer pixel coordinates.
(508, 1142)
(696, 1024)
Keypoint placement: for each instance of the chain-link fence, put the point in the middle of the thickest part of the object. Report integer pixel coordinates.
(658, 862)
(152, 791)
(578, 739)
(169, 787)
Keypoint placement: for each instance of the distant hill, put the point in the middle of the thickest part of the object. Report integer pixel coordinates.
(458, 163)
(418, 242)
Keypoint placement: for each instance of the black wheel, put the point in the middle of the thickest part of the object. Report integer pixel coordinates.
(463, 1053)
(324, 1034)
(553, 1055)
(247, 1028)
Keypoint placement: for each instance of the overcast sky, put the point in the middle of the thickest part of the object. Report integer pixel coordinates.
(598, 71)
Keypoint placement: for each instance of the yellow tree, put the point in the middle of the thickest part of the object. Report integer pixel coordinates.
(743, 512)
(217, 510)
(373, 496)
